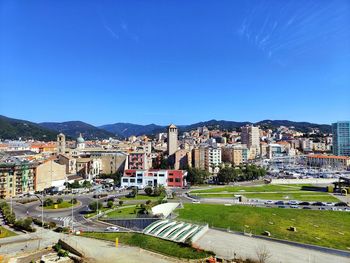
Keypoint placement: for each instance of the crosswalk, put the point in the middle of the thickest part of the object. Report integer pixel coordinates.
(66, 220)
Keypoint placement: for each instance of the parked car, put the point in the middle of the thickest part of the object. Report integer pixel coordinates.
(279, 203)
(341, 204)
(304, 203)
(196, 202)
(112, 229)
(294, 206)
(292, 202)
(269, 202)
(318, 204)
(306, 207)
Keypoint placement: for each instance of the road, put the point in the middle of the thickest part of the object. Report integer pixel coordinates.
(227, 244)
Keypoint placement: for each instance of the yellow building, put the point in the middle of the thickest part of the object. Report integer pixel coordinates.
(49, 174)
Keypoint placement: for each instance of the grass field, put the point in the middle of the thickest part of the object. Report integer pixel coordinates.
(258, 188)
(124, 212)
(91, 214)
(323, 228)
(64, 204)
(300, 195)
(143, 197)
(157, 245)
(6, 233)
(267, 192)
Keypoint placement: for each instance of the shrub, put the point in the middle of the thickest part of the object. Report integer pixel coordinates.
(73, 201)
(110, 204)
(121, 202)
(94, 205)
(62, 253)
(52, 224)
(48, 202)
(148, 191)
(59, 201)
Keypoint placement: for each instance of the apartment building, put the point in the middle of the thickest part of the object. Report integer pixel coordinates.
(341, 138)
(326, 161)
(153, 178)
(16, 178)
(48, 174)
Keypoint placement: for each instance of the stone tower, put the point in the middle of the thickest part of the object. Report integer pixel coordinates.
(172, 139)
(61, 143)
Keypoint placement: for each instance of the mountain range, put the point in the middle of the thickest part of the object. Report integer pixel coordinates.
(14, 128)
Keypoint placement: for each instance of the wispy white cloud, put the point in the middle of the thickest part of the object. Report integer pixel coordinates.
(111, 32)
(292, 28)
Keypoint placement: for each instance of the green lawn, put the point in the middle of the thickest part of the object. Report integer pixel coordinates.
(161, 246)
(300, 195)
(257, 188)
(6, 233)
(323, 228)
(143, 197)
(214, 195)
(124, 212)
(267, 192)
(91, 214)
(64, 204)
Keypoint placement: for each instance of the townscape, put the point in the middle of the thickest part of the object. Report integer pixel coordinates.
(166, 131)
(86, 187)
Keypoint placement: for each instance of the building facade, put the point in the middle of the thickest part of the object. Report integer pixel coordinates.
(49, 174)
(327, 161)
(16, 179)
(153, 178)
(341, 138)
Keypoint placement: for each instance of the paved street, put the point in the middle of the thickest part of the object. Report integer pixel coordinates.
(103, 251)
(226, 244)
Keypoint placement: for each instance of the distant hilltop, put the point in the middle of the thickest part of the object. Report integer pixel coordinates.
(13, 128)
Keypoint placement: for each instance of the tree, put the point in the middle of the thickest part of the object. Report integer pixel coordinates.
(158, 190)
(148, 190)
(134, 191)
(227, 174)
(48, 202)
(59, 201)
(73, 201)
(121, 202)
(263, 254)
(94, 205)
(197, 176)
(86, 184)
(110, 204)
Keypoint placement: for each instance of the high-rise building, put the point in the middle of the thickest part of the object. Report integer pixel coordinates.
(250, 136)
(341, 138)
(172, 139)
(61, 143)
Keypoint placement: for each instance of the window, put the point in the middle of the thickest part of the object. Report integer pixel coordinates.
(161, 175)
(125, 180)
(139, 180)
(139, 175)
(132, 180)
(170, 180)
(177, 180)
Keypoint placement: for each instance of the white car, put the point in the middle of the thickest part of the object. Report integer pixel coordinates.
(328, 204)
(196, 202)
(112, 229)
(269, 202)
(292, 202)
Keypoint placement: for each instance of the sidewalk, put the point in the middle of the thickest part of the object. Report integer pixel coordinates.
(226, 245)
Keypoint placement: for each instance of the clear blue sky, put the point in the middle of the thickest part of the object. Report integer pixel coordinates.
(175, 61)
